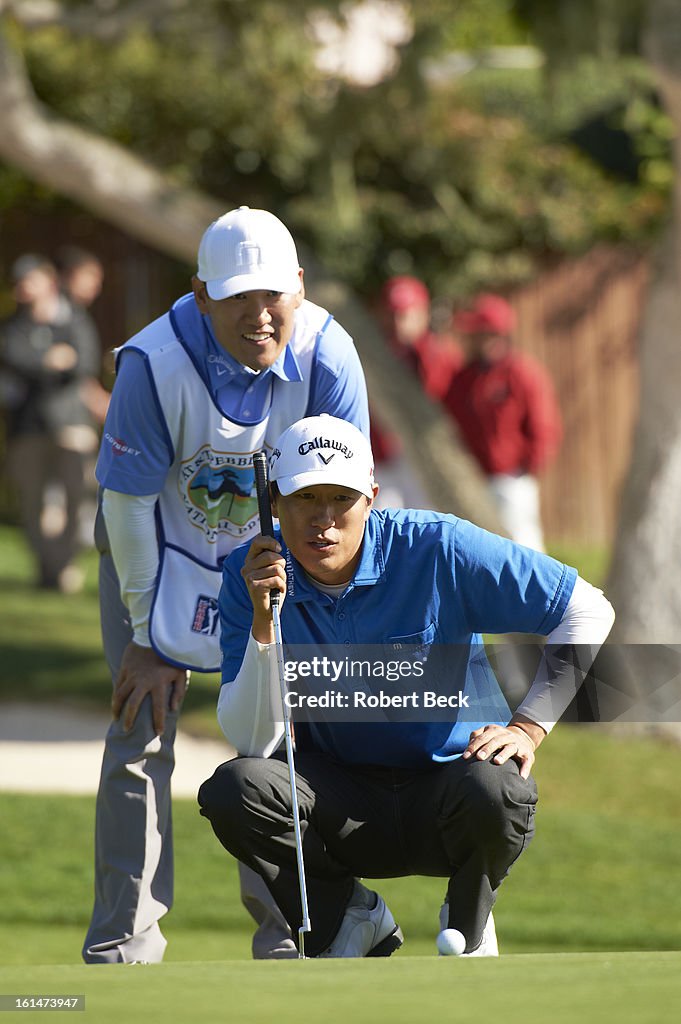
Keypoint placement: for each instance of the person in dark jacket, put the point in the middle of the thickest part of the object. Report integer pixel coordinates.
(49, 354)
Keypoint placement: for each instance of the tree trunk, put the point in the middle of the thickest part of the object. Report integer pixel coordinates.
(645, 579)
(128, 192)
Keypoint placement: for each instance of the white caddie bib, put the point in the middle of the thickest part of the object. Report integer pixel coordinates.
(208, 505)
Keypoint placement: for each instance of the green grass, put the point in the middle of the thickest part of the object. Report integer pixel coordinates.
(634, 988)
(592, 563)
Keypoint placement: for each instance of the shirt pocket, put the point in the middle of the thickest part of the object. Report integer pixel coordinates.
(415, 644)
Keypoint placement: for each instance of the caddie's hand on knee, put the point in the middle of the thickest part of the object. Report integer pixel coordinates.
(264, 570)
(499, 743)
(142, 672)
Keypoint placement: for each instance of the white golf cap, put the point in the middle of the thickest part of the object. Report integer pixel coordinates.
(322, 450)
(248, 250)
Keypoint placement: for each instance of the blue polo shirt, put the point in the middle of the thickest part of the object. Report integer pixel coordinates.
(337, 387)
(424, 579)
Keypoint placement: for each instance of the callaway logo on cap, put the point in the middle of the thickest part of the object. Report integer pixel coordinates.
(322, 450)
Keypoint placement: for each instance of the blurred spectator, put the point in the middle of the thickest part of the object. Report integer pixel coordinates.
(405, 314)
(50, 353)
(404, 311)
(82, 277)
(504, 404)
(81, 274)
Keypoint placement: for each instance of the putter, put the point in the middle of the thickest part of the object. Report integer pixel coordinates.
(267, 530)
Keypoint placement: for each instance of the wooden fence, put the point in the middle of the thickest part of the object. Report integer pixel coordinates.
(581, 321)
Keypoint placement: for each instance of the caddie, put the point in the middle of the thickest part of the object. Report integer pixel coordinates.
(197, 392)
(447, 795)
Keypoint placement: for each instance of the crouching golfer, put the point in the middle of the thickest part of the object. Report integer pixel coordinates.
(422, 795)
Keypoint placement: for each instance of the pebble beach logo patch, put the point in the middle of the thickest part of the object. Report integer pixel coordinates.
(218, 492)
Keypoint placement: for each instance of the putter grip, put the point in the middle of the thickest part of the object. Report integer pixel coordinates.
(264, 507)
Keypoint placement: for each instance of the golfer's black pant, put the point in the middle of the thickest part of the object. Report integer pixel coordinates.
(467, 821)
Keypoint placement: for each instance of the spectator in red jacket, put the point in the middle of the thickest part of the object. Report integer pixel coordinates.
(405, 312)
(505, 406)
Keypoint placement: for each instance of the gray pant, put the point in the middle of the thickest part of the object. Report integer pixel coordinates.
(133, 831)
(467, 821)
(33, 462)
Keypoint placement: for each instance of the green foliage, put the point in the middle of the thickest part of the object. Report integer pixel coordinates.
(197, 114)
(476, 24)
(465, 198)
(568, 28)
(652, 131)
(467, 181)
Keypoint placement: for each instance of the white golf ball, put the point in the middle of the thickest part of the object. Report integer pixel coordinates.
(450, 942)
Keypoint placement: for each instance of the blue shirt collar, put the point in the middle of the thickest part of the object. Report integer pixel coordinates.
(371, 568)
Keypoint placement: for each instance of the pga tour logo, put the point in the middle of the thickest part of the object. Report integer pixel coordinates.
(205, 619)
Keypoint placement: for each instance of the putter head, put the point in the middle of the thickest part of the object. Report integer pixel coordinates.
(305, 927)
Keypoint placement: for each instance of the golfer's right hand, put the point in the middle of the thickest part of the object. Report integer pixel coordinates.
(143, 672)
(264, 570)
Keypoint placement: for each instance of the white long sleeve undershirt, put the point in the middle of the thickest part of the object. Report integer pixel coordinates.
(588, 619)
(250, 711)
(131, 528)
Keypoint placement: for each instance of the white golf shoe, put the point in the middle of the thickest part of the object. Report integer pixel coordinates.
(489, 945)
(368, 928)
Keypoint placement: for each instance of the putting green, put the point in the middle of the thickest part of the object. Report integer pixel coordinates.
(569, 988)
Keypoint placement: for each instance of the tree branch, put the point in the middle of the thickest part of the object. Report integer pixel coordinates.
(103, 19)
(95, 172)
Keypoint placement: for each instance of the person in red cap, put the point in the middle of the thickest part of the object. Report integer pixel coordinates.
(405, 313)
(505, 407)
